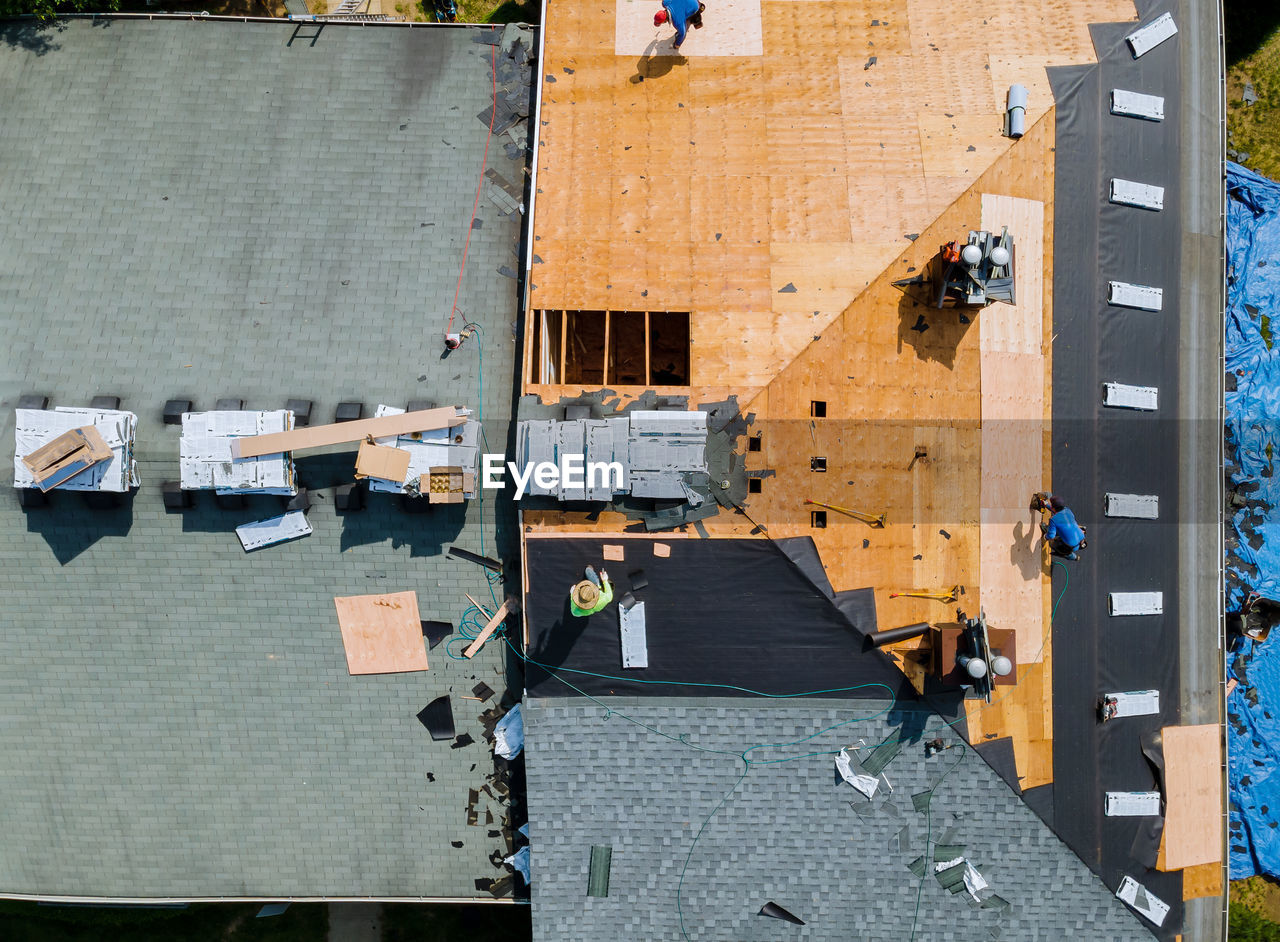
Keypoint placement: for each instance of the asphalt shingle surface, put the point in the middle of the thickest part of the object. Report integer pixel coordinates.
(199, 210)
(791, 832)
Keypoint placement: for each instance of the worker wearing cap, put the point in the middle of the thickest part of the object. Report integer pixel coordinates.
(682, 14)
(1063, 534)
(592, 594)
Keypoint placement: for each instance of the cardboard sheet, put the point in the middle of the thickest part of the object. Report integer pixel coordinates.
(382, 634)
(1193, 795)
(69, 454)
(382, 461)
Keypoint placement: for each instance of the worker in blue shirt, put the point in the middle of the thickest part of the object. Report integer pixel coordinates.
(682, 14)
(1063, 534)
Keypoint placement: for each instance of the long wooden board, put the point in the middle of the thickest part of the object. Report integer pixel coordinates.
(317, 436)
(489, 629)
(1193, 791)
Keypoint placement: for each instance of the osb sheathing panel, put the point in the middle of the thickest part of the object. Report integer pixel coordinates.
(890, 390)
(645, 161)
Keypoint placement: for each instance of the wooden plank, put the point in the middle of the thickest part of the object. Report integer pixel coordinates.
(382, 634)
(1193, 793)
(489, 629)
(317, 436)
(1202, 880)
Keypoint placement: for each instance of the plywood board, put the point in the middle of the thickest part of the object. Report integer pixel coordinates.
(1193, 793)
(730, 28)
(382, 634)
(1202, 880)
(1013, 427)
(661, 177)
(1017, 328)
(317, 436)
(1012, 567)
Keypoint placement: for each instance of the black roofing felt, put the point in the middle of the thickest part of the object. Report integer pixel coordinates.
(737, 613)
(1098, 450)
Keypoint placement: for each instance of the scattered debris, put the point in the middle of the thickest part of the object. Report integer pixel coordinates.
(775, 911)
(437, 717)
(508, 735)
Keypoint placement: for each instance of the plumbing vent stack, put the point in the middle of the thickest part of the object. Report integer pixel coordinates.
(1016, 121)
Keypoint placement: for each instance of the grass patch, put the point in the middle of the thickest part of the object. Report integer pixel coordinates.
(1253, 56)
(498, 11)
(200, 922)
(1244, 925)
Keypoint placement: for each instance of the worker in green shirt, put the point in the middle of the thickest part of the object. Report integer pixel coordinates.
(592, 594)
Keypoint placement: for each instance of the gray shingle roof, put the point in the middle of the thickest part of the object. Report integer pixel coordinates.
(790, 832)
(206, 210)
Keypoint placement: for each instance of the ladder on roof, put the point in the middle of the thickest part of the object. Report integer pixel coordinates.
(347, 7)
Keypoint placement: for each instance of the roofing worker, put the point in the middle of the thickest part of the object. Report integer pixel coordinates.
(592, 594)
(682, 14)
(1063, 534)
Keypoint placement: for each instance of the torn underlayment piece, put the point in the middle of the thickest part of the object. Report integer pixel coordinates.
(631, 629)
(205, 460)
(1135, 603)
(115, 471)
(867, 784)
(1137, 105)
(968, 875)
(1137, 896)
(260, 533)
(1122, 396)
(520, 861)
(508, 735)
(1130, 703)
(1135, 506)
(442, 463)
(1131, 804)
(1140, 297)
(1141, 41)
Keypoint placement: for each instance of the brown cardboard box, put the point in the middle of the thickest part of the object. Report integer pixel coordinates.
(443, 485)
(66, 456)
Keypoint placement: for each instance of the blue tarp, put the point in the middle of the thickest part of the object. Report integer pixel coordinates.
(1253, 542)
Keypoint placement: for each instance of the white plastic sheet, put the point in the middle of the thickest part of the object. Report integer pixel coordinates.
(520, 860)
(508, 735)
(867, 784)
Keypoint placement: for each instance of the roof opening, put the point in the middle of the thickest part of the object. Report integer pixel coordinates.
(818, 463)
(755, 485)
(754, 443)
(818, 519)
(619, 348)
(818, 408)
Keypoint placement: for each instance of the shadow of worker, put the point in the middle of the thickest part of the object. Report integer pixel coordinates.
(659, 58)
(554, 645)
